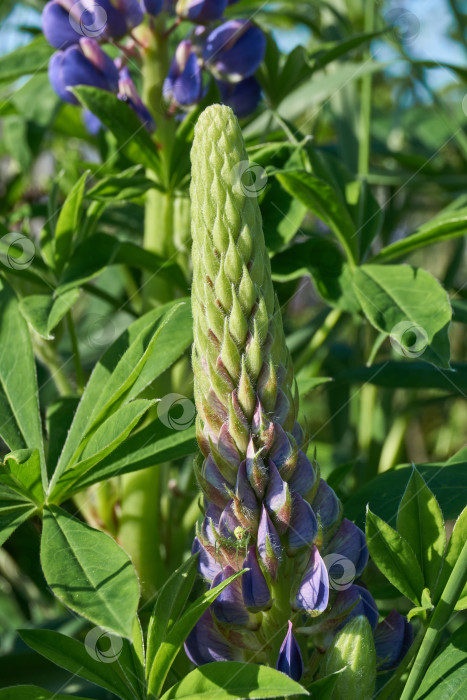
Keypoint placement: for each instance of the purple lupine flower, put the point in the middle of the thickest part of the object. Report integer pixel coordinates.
(127, 92)
(349, 542)
(205, 643)
(234, 50)
(64, 22)
(201, 11)
(184, 83)
(244, 97)
(313, 592)
(82, 64)
(393, 638)
(256, 594)
(152, 7)
(92, 123)
(290, 659)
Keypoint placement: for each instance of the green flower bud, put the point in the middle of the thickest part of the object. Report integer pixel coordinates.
(353, 650)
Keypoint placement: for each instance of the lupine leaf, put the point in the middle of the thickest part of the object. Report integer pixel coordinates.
(230, 680)
(169, 604)
(118, 370)
(21, 471)
(12, 516)
(121, 120)
(25, 60)
(446, 678)
(89, 572)
(126, 185)
(393, 295)
(19, 409)
(107, 437)
(454, 548)
(174, 639)
(420, 522)
(75, 657)
(394, 557)
(67, 223)
(43, 312)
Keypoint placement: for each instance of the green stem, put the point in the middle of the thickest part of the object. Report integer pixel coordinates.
(439, 620)
(76, 355)
(365, 112)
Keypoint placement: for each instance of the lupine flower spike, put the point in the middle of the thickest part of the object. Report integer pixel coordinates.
(266, 509)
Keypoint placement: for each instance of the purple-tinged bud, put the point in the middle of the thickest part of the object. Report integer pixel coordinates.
(303, 526)
(364, 604)
(313, 593)
(213, 483)
(234, 50)
(207, 565)
(326, 506)
(244, 97)
(127, 93)
(283, 452)
(229, 607)
(290, 659)
(269, 545)
(82, 64)
(256, 595)
(245, 504)
(152, 7)
(184, 83)
(256, 470)
(205, 643)
(349, 542)
(228, 522)
(201, 11)
(278, 499)
(303, 479)
(393, 638)
(56, 25)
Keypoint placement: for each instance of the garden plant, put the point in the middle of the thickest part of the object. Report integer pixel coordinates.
(232, 352)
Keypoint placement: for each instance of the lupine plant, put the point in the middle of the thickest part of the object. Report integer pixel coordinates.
(232, 352)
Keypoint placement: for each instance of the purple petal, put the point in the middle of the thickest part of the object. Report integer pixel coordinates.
(303, 526)
(278, 500)
(207, 565)
(201, 10)
(152, 7)
(269, 544)
(290, 659)
(229, 607)
(235, 50)
(313, 594)
(326, 505)
(205, 643)
(256, 594)
(303, 478)
(349, 542)
(393, 637)
(57, 27)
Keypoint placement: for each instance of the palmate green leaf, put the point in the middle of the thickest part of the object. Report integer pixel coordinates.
(394, 557)
(116, 373)
(20, 424)
(44, 313)
(408, 304)
(454, 548)
(89, 572)
(169, 604)
(67, 223)
(446, 678)
(175, 637)
(132, 136)
(70, 654)
(420, 522)
(231, 680)
(12, 516)
(322, 259)
(144, 448)
(21, 471)
(33, 692)
(318, 196)
(106, 438)
(446, 225)
(384, 492)
(26, 60)
(100, 251)
(126, 185)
